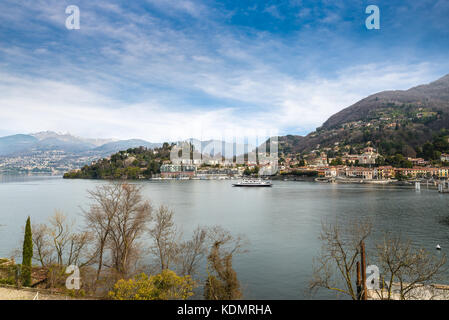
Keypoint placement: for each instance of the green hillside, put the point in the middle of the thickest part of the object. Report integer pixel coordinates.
(134, 163)
(411, 122)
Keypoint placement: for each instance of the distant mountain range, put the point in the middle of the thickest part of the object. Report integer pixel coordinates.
(399, 121)
(56, 153)
(23, 144)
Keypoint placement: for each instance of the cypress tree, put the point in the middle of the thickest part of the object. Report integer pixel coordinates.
(27, 255)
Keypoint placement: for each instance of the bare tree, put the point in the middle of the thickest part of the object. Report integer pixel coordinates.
(193, 251)
(58, 244)
(41, 244)
(413, 270)
(78, 252)
(335, 268)
(60, 234)
(405, 272)
(166, 238)
(99, 218)
(168, 249)
(127, 226)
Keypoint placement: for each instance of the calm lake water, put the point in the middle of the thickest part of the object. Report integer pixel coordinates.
(282, 223)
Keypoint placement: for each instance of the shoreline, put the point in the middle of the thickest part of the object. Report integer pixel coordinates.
(353, 181)
(295, 178)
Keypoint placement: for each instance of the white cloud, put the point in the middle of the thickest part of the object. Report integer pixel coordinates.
(135, 83)
(29, 105)
(273, 10)
(193, 8)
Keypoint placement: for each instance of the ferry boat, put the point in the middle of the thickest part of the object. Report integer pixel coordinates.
(252, 183)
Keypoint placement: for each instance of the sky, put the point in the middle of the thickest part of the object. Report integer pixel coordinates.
(165, 70)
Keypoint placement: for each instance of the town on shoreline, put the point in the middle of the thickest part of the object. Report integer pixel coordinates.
(368, 166)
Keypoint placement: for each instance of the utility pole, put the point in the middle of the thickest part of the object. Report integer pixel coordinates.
(364, 293)
(359, 282)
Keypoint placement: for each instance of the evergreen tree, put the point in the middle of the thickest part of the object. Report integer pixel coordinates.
(27, 255)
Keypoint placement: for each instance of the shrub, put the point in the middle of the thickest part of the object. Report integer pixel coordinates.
(166, 285)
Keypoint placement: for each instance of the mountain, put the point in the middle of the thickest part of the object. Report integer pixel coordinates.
(68, 138)
(24, 144)
(55, 143)
(16, 143)
(113, 147)
(400, 121)
(434, 96)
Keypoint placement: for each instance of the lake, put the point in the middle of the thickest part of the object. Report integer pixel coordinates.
(282, 223)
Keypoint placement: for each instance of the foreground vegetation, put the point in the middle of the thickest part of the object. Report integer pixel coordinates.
(405, 272)
(113, 259)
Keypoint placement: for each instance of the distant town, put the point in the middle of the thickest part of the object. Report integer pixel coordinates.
(366, 166)
(331, 164)
(363, 166)
(54, 162)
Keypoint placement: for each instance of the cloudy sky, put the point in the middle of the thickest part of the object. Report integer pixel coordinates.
(171, 69)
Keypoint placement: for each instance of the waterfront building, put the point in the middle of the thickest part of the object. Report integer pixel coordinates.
(211, 173)
(359, 172)
(177, 170)
(433, 172)
(383, 172)
(334, 171)
(443, 172)
(421, 172)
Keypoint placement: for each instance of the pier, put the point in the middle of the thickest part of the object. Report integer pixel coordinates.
(443, 186)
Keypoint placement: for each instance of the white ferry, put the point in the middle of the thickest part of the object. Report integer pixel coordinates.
(253, 183)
